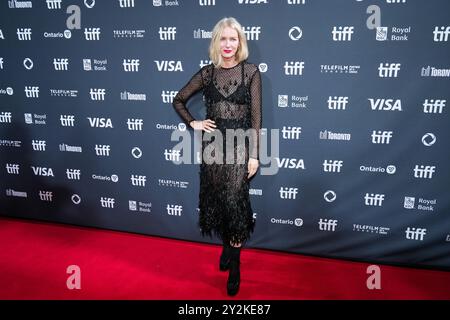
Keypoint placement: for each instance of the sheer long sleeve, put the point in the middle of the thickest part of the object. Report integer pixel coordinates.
(180, 100)
(256, 113)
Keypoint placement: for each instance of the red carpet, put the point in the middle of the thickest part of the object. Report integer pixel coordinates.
(34, 257)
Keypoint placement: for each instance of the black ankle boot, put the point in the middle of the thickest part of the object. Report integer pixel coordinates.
(234, 277)
(225, 256)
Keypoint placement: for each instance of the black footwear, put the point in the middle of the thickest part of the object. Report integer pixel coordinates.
(225, 256)
(234, 277)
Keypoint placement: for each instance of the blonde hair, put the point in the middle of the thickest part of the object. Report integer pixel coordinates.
(214, 47)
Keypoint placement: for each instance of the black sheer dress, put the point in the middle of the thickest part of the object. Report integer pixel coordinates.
(233, 100)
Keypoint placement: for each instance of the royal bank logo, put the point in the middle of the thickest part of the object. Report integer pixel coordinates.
(428, 205)
(95, 64)
(39, 119)
(167, 3)
(397, 33)
(293, 102)
(139, 206)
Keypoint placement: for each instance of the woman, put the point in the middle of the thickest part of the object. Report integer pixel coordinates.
(232, 93)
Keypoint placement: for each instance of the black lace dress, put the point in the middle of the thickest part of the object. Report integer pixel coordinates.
(233, 100)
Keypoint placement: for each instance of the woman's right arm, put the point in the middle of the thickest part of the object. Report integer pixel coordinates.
(180, 100)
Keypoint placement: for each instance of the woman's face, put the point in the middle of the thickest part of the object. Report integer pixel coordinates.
(229, 43)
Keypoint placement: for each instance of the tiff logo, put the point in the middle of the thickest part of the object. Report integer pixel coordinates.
(167, 96)
(332, 165)
(291, 132)
(383, 137)
(371, 199)
(73, 174)
(12, 168)
(24, 34)
(38, 145)
(137, 180)
(97, 94)
(102, 150)
(5, 117)
(424, 172)
(61, 64)
(441, 33)
(415, 233)
(327, 225)
(92, 34)
(135, 124)
(294, 68)
(252, 33)
(67, 120)
(167, 33)
(172, 155)
(131, 65)
(434, 106)
(342, 33)
(337, 103)
(46, 195)
(207, 2)
(53, 4)
(174, 210)
(288, 193)
(107, 202)
(31, 92)
(126, 3)
(388, 70)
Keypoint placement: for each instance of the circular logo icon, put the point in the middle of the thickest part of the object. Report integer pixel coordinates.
(329, 196)
(263, 67)
(9, 91)
(114, 178)
(391, 169)
(428, 139)
(295, 33)
(182, 126)
(298, 222)
(136, 152)
(28, 63)
(76, 199)
(67, 34)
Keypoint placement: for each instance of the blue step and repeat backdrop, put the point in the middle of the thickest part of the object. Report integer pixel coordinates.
(355, 112)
